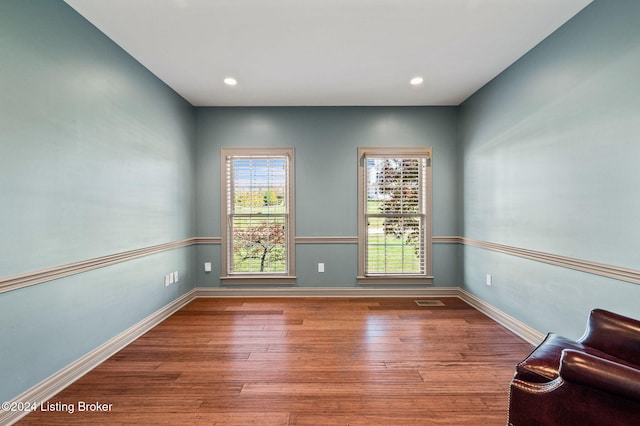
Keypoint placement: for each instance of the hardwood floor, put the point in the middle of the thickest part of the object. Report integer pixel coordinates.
(306, 361)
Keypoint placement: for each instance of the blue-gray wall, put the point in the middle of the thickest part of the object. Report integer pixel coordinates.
(550, 161)
(326, 142)
(98, 157)
(95, 159)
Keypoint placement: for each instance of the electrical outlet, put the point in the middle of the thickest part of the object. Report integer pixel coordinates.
(488, 280)
(320, 267)
(207, 266)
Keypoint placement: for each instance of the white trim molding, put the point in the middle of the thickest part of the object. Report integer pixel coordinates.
(326, 240)
(15, 282)
(343, 239)
(330, 292)
(609, 271)
(207, 240)
(514, 325)
(55, 383)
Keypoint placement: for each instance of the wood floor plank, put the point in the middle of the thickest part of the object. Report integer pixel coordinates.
(305, 361)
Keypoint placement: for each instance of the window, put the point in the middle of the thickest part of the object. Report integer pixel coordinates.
(394, 207)
(257, 215)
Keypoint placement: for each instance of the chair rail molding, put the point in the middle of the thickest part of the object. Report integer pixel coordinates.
(15, 282)
(609, 271)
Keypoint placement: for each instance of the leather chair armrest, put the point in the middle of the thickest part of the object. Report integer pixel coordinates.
(608, 376)
(613, 334)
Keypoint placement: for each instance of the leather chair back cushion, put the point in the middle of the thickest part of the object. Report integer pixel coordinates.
(614, 334)
(543, 363)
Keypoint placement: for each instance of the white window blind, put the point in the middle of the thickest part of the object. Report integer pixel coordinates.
(395, 213)
(257, 204)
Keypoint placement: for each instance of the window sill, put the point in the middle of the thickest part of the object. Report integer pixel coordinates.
(391, 280)
(258, 279)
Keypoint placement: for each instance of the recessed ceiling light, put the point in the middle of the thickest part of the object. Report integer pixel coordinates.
(229, 81)
(416, 80)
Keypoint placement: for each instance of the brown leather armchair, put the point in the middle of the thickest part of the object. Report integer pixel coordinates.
(592, 381)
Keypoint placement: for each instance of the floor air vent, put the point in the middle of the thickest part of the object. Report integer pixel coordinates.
(429, 303)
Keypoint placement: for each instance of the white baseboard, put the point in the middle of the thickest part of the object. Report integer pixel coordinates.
(326, 292)
(516, 326)
(53, 385)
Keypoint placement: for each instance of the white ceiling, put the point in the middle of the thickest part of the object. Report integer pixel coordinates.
(327, 52)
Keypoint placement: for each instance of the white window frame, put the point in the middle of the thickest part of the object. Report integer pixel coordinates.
(240, 278)
(365, 278)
